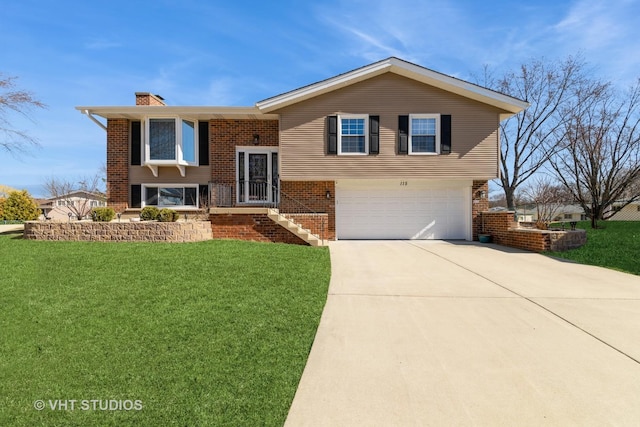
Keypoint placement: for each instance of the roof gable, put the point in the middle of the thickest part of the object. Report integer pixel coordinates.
(508, 104)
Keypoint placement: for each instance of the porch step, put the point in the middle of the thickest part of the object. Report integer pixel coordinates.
(290, 225)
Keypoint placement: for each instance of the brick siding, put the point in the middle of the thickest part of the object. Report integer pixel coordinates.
(479, 204)
(317, 224)
(225, 135)
(251, 226)
(312, 195)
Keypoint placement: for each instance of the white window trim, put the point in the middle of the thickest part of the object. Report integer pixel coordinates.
(366, 133)
(171, 185)
(179, 161)
(424, 116)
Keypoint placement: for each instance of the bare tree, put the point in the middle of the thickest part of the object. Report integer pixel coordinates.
(16, 101)
(527, 139)
(79, 197)
(549, 198)
(599, 151)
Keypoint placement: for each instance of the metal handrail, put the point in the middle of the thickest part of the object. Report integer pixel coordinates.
(226, 194)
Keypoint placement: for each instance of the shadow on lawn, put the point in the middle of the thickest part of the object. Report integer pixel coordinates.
(15, 234)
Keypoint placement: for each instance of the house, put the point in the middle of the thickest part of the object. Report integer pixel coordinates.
(630, 212)
(75, 205)
(391, 150)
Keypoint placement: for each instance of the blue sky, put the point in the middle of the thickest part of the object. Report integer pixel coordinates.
(235, 53)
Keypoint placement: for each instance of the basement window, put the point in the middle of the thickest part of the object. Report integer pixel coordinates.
(170, 196)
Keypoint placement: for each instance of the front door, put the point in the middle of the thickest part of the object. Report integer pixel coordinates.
(257, 175)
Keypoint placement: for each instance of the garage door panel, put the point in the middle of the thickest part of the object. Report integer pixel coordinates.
(384, 213)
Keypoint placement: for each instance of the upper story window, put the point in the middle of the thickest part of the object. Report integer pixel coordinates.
(424, 134)
(353, 131)
(171, 140)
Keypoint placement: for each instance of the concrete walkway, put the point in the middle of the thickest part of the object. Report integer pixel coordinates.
(5, 228)
(449, 334)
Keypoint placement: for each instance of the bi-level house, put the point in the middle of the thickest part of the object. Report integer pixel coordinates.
(391, 150)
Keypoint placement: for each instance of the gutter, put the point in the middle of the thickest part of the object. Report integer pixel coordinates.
(96, 121)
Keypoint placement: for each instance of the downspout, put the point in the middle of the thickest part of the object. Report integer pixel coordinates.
(96, 121)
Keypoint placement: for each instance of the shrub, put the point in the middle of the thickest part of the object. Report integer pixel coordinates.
(168, 215)
(102, 214)
(20, 206)
(149, 213)
(2, 199)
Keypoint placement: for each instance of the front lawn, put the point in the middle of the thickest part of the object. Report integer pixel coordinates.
(616, 245)
(210, 333)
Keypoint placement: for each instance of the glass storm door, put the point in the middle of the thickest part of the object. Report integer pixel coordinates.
(257, 182)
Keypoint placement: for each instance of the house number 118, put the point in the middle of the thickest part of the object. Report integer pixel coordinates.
(403, 183)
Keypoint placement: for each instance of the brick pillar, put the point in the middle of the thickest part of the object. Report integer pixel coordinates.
(479, 204)
(118, 164)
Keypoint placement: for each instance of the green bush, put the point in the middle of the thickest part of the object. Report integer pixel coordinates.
(20, 206)
(102, 214)
(168, 215)
(2, 199)
(149, 213)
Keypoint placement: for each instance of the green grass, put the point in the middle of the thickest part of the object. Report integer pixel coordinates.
(211, 333)
(615, 245)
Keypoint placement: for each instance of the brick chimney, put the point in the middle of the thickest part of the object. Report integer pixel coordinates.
(146, 98)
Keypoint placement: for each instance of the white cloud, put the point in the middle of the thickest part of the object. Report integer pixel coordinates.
(606, 34)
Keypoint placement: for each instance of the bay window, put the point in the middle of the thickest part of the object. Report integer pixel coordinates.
(170, 141)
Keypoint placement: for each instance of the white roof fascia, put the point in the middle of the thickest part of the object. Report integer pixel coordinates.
(140, 111)
(460, 87)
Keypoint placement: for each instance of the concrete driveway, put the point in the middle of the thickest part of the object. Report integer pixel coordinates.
(446, 333)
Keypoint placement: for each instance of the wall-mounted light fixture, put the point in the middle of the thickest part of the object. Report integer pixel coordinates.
(256, 139)
(328, 194)
(482, 194)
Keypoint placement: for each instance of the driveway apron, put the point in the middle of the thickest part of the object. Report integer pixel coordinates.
(439, 333)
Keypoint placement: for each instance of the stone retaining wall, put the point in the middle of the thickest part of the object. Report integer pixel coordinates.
(195, 231)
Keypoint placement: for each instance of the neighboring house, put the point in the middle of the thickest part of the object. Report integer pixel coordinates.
(391, 150)
(631, 212)
(529, 213)
(70, 206)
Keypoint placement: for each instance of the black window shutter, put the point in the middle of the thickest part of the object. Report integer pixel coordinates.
(403, 134)
(136, 143)
(332, 134)
(374, 134)
(445, 134)
(203, 143)
(136, 196)
(203, 191)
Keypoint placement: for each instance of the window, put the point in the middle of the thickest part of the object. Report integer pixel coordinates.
(171, 140)
(568, 216)
(352, 132)
(169, 195)
(424, 134)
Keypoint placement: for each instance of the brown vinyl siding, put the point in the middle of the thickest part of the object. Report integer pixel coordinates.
(474, 133)
(169, 175)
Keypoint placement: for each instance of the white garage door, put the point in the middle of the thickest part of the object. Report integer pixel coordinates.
(382, 209)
